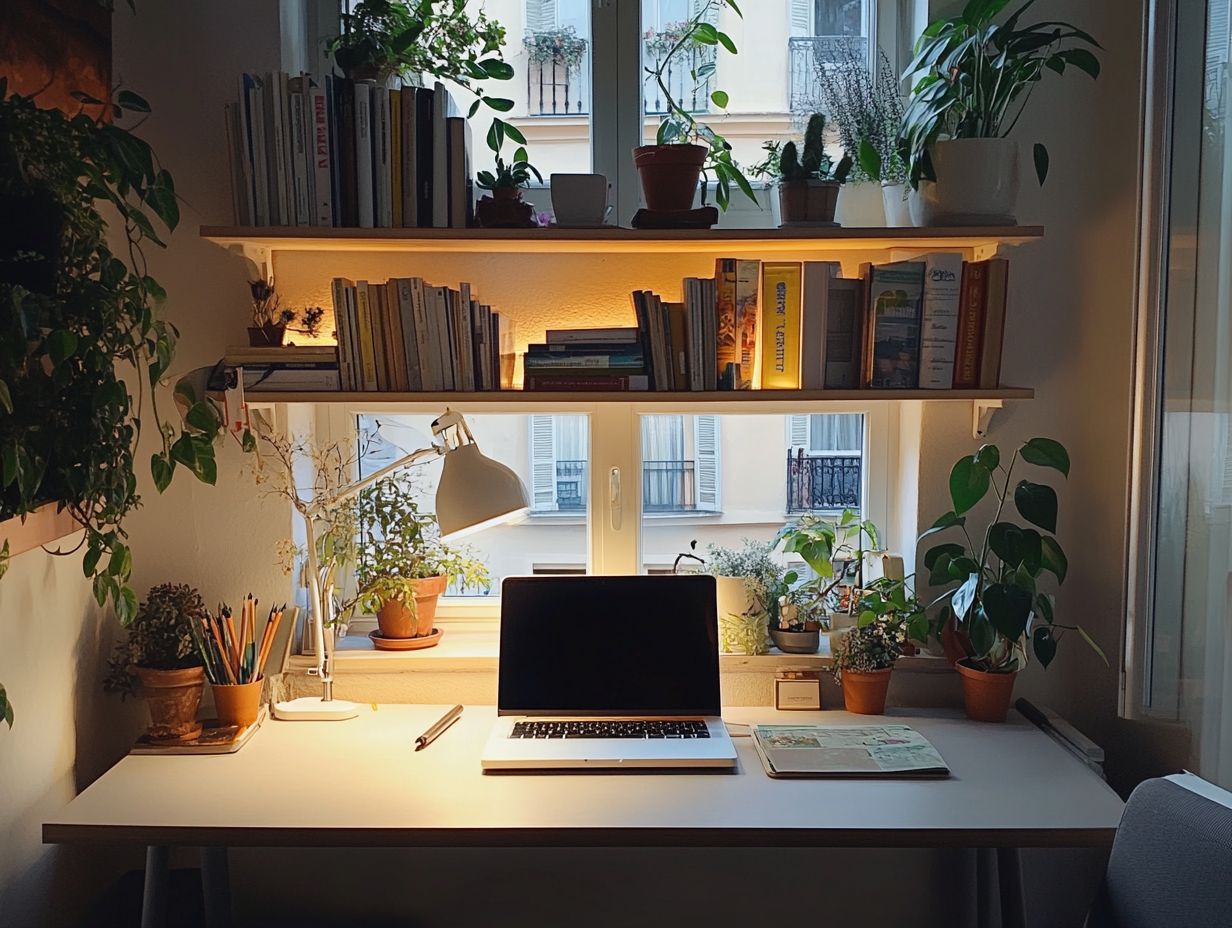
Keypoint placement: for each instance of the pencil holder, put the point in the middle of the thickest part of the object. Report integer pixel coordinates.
(238, 704)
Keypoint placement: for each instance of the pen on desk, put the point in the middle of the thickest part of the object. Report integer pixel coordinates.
(434, 732)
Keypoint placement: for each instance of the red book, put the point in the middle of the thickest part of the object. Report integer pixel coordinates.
(972, 305)
(616, 383)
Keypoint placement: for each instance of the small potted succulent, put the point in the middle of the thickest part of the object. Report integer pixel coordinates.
(269, 318)
(505, 208)
(809, 180)
(158, 659)
(996, 613)
(402, 566)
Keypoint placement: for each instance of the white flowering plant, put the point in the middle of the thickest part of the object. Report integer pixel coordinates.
(875, 643)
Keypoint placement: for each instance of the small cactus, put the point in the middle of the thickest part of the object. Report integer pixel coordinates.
(789, 163)
(814, 145)
(814, 163)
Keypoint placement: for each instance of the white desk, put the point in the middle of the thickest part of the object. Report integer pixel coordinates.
(1012, 787)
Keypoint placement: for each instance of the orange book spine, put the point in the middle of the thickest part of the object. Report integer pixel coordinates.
(971, 325)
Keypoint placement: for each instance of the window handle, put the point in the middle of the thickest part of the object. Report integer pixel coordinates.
(615, 502)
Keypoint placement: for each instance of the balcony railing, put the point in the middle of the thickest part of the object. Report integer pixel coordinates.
(555, 88)
(571, 486)
(692, 95)
(668, 486)
(806, 55)
(823, 483)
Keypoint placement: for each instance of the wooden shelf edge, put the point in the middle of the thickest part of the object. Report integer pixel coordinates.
(722, 397)
(41, 527)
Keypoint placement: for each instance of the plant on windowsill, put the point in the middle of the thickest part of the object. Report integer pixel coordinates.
(563, 47)
(75, 315)
(864, 660)
(809, 180)
(686, 150)
(504, 208)
(976, 77)
(157, 659)
(402, 566)
(750, 584)
(995, 613)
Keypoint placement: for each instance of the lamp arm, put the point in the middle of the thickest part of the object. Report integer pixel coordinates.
(432, 451)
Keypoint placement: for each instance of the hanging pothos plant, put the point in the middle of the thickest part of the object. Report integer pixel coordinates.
(75, 317)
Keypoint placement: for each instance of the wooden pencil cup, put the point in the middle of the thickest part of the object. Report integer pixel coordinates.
(238, 704)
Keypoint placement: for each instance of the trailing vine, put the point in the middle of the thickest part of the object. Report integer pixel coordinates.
(75, 317)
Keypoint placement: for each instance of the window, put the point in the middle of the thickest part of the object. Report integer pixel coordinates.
(557, 48)
(558, 455)
(825, 32)
(680, 464)
(825, 458)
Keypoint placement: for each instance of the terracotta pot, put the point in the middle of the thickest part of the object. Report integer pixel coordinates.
(953, 642)
(669, 175)
(808, 201)
(986, 695)
(267, 336)
(397, 621)
(865, 693)
(239, 704)
(173, 697)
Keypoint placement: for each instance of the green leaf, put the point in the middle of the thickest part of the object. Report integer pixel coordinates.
(1040, 154)
(867, 617)
(706, 34)
(969, 481)
(121, 562)
(513, 132)
(946, 521)
(940, 570)
(500, 104)
(496, 69)
(1045, 452)
(102, 588)
(869, 159)
(1083, 59)
(89, 561)
(132, 101)
(726, 41)
(160, 470)
(989, 457)
(6, 398)
(1044, 606)
(1037, 503)
(60, 346)
(1008, 608)
(719, 98)
(980, 632)
(1045, 645)
(1053, 558)
(184, 450)
(126, 605)
(201, 416)
(6, 707)
(1005, 540)
(949, 549)
(1091, 641)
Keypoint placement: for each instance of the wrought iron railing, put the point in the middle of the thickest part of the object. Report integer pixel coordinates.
(692, 95)
(555, 88)
(571, 486)
(821, 483)
(807, 55)
(668, 486)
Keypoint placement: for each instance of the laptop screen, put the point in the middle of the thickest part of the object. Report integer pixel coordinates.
(609, 646)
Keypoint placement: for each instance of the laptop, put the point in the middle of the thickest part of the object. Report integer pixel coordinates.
(608, 672)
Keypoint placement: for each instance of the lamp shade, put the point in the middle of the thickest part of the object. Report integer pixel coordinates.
(474, 491)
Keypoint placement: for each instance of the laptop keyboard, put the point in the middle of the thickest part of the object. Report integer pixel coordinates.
(612, 728)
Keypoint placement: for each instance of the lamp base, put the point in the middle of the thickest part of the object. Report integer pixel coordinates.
(315, 709)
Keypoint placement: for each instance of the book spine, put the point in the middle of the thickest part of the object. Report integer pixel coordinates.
(463, 349)
(591, 336)
(322, 210)
(409, 159)
(395, 158)
(478, 348)
(381, 154)
(367, 336)
(410, 341)
(352, 327)
(728, 335)
(680, 353)
(442, 337)
(424, 347)
(393, 332)
(299, 158)
(260, 157)
(440, 156)
(276, 165)
(243, 115)
(364, 191)
(424, 150)
(970, 326)
(617, 383)
(892, 354)
(939, 325)
(347, 175)
(338, 293)
(747, 321)
(235, 173)
(780, 360)
(994, 323)
(815, 279)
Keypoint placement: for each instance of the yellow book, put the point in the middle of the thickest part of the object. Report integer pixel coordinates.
(780, 343)
(367, 346)
(395, 161)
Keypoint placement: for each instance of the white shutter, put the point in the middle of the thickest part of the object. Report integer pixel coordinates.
(543, 463)
(798, 432)
(801, 17)
(706, 448)
(540, 15)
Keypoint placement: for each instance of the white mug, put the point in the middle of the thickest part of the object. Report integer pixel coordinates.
(580, 199)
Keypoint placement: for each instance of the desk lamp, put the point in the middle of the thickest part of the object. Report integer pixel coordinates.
(474, 492)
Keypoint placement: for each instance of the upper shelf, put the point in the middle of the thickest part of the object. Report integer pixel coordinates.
(983, 241)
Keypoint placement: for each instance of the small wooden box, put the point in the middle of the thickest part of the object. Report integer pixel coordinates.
(797, 688)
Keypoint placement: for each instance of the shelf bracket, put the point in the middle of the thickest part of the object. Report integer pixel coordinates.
(981, 416)
(256, 254)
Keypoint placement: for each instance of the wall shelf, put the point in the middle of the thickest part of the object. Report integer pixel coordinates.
(259, 243)
(698, 399)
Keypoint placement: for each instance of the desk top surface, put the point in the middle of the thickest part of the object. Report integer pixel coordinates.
(361, 783)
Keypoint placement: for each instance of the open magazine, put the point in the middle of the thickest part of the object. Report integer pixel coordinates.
(872, 751)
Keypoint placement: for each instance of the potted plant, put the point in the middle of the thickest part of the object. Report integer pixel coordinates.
(866, 106)
(809, 180)
(308, 321)
(402, 566)
(976, 76)
(269, 319)
(685, 149)
(80, 310)
(749, 585)
(505, 208)
(158, 659)
(864, 660)
(995, 612)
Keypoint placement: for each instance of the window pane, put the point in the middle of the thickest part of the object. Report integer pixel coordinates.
(548, 452)
(721, 479)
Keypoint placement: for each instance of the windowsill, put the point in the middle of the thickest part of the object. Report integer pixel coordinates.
(473, 647)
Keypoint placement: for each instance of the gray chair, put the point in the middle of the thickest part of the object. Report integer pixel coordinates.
(1171, 862)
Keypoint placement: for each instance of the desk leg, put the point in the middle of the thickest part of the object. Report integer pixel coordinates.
(216, 887)
(154, 897)
(1009, 883)
(983, 887)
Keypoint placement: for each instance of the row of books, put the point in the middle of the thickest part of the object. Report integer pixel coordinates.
(339, 152)
(405, 335)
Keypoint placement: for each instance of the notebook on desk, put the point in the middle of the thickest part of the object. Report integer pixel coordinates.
(863, 751)
(608, 672)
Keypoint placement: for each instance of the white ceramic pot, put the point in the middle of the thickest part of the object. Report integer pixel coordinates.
(977, 182)
(860, 207)
(922, 204)
(897, 209)
(742, 619)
